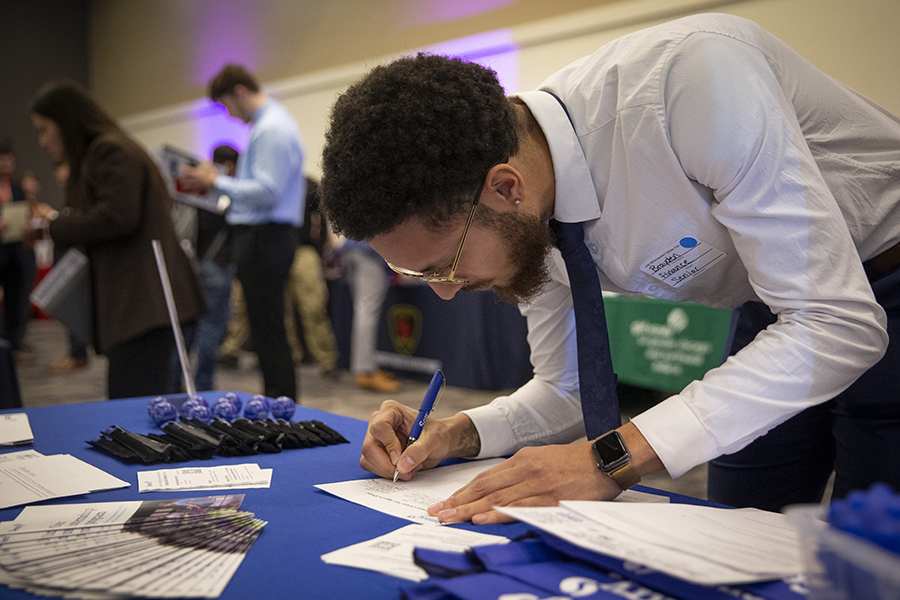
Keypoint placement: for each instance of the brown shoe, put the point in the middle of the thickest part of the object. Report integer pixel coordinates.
(68, 364)
(378, 381)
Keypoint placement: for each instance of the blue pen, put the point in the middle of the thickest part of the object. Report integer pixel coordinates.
(431, 396)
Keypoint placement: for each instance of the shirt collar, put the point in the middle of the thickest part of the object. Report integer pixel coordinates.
(576, 197)
(259, 111)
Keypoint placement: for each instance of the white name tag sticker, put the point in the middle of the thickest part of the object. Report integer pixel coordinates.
(682, 261)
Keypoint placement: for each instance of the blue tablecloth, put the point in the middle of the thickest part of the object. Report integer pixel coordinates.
(303, 522)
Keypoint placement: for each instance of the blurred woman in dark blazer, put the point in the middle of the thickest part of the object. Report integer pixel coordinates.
(116, 203)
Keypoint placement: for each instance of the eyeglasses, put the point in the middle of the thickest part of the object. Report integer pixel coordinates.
(434, 277)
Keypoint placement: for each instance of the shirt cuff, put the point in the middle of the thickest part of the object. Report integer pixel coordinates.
(676, 435)
(222, 184)
(494, 431)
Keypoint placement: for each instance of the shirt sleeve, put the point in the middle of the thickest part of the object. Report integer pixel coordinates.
(547, 409)
(266, 172)
(734, 130)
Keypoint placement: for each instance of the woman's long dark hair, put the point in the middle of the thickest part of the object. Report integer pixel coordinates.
(79, 118)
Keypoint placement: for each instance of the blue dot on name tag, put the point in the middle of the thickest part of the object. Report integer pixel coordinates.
(688, 242)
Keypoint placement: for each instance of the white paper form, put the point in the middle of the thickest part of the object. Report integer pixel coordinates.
(15, 430)
(410, 499)
(595, 536)
(392, 553)
(44, 477)
(94, 479)
(747, 539)
(9, 457)
(223, 477)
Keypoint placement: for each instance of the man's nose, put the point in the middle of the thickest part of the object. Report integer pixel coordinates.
(446, 291)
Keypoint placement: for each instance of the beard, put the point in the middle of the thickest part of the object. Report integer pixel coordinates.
(528, 242)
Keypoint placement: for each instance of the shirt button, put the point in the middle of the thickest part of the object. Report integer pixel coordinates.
(593, 247)
(652, 288)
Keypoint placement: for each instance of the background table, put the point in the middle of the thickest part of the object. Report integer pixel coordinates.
(303, 522)
(480, 342)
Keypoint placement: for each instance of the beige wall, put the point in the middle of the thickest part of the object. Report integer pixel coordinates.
(151, 53)
(854, 41)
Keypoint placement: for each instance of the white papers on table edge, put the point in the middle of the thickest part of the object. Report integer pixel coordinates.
(411, 499)
(205, 575)
(246, 476)
(597, 529)
(56, 476)
(392, 553)
(15, 429)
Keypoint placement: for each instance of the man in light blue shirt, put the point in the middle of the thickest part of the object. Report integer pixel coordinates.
(267, 196)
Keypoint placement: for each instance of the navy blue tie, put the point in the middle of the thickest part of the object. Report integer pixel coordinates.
(597, 381)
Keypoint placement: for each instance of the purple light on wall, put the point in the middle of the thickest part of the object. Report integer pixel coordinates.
(422, 12)
(226, 31)
(210, 126)
(493, 49)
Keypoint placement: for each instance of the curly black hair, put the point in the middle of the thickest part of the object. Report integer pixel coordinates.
(415, 137)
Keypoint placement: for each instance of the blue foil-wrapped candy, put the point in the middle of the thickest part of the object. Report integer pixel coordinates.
(223, 409)
(235, 400)
(162, 412)
(200, 400)
(256, 409)
(283, 408)
(195, 411)
(154, 402)
(187, 405)
(262, 399)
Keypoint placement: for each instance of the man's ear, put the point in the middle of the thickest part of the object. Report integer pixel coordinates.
(504, 188)
(239, 91)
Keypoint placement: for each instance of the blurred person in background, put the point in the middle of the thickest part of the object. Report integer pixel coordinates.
(116, 204)
(15, 276)
(307, 292)
(78, 354)
(366, 274)
(216, 276)
(266, 208)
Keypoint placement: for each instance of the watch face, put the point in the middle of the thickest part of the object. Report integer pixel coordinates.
(610, 449)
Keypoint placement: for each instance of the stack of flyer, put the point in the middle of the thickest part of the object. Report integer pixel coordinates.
(28, 476)
(187, 548)
(15, 430)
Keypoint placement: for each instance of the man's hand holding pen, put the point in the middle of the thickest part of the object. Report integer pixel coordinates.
(532, 477)
(428, 403)
(386, 437)
(385, 451)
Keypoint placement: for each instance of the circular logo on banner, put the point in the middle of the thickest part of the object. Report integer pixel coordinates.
(405, 327)
(677, 320)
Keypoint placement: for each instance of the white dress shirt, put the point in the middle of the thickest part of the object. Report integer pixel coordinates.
(710, 129)
(269, 185)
